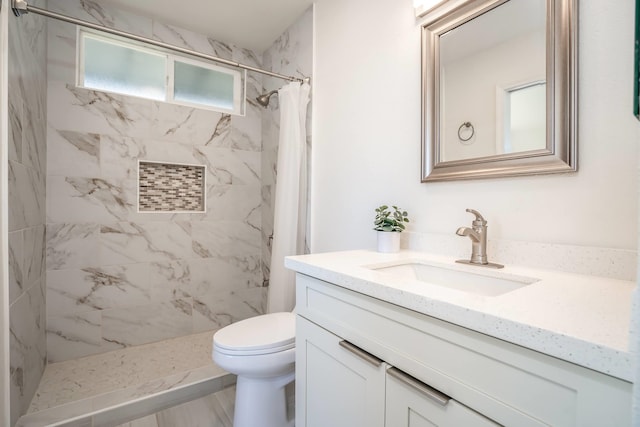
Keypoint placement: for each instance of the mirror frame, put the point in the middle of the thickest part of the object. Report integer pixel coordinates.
(561, 152)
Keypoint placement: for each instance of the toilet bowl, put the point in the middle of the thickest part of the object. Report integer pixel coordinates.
(261, 352)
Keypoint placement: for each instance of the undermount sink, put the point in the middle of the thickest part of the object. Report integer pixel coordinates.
(493, 284)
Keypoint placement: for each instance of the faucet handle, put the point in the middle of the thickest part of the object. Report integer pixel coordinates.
(479, 219)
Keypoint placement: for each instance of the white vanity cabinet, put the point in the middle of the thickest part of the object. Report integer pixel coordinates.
(344, 387)
(411, 403)
(486, 381)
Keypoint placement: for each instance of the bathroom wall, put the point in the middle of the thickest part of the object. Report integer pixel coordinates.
(292, 55)
(117, 277)
(367, 138)
(27, 174)
(5, 358)
(467, 100)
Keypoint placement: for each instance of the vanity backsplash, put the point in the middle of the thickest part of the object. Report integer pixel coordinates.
(594, 261)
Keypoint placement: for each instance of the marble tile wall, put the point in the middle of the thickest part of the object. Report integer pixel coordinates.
(117, 277)
(291, 54)
(27, 161)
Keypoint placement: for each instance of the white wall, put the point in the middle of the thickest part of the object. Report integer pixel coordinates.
(470, 85)
(367, 137)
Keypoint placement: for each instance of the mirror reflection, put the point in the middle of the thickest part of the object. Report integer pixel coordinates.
(492, 82)
(523, 116)
(499, 89)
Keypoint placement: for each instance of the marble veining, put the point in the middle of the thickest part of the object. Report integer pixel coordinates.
(98, 13)
(180, 124)
(74, 335)
(34, 253)
(125, 327)
(26, 197)
(93, 11)
(72, 154)
(117, 277)
(221, 49)
(27, 151)
(215, 410)
(127, 242)
(72, 245)
(16, 265)
(89, 289)
(15, 127)
(222, 130)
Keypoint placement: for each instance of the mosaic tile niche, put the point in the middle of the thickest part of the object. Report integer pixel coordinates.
(167, 187)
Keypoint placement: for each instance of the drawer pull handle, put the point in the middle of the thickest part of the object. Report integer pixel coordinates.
(433, 394)
(361, 353)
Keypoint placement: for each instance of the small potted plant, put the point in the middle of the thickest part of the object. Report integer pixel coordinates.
(389, 224)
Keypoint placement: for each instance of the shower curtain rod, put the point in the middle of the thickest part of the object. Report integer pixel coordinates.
(21, 7)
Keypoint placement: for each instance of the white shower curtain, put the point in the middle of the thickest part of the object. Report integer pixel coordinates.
(290, 213)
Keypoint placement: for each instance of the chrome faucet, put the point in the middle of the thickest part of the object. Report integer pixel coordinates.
(478, 235)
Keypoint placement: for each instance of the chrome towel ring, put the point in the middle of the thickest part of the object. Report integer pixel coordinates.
(467, 127)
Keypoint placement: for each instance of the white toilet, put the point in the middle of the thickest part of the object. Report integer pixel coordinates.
(261, 352)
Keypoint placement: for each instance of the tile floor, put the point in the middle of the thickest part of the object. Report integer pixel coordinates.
(215, 410)
(70, 381)
(110, 388)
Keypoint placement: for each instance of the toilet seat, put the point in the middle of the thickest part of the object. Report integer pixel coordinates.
(269, 333)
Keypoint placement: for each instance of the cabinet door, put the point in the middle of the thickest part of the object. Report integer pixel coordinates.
(337, 384)
(411, 403)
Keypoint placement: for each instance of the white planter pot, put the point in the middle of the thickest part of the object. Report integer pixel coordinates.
(388, 241)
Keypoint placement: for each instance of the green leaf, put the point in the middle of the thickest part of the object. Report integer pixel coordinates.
(390, 221)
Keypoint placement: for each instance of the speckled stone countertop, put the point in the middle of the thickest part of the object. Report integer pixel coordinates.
(578, 318)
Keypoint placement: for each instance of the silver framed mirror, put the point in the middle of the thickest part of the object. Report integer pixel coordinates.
(499, 89)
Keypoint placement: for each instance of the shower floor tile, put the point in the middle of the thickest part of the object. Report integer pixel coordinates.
(91, 385)
(215, 410)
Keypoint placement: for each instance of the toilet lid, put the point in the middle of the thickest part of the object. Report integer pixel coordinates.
(258, 334)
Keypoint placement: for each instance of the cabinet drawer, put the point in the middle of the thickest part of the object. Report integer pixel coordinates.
(509, 384)
(337, 384)
(410, 403)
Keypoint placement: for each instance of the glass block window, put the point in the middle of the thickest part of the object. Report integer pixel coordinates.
(117, 65)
